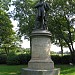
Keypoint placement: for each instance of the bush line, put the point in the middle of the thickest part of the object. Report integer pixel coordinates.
(13, 59)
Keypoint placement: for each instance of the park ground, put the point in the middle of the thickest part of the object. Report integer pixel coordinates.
(16, 69)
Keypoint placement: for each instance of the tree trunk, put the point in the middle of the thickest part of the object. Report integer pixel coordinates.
(70, 38)
(61, 46)
(61, 50)
(6, 50)
(70, 48)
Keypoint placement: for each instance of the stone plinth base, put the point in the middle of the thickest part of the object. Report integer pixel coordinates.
(40, 72)
(46, 64)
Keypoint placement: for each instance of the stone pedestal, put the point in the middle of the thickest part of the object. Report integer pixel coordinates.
(40, 72)
(40, 63)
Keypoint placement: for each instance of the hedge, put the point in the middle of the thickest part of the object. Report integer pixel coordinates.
(13, 59)
(56, 59)
(66, 59)
(3, 59)
(18, 59)
(24, 58)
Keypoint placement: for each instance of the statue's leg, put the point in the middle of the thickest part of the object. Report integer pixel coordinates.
(42, 22)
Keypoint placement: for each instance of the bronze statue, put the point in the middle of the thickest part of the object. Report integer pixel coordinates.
(41, 20)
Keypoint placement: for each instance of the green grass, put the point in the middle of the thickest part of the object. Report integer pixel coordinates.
(66, 69)
(11, 70)
(16, 69)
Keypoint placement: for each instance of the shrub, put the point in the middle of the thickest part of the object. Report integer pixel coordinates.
(24, 58)
(56, 59)
(13, 59)
(3, 59)
(66, 59)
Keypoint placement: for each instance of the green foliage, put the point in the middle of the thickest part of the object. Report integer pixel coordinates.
(7, 35)
(13, 59)
(56, 59)
(4, 4)
(66, 59)
(5, 26)
(58, 19)
(25, 16)
(3, 59)
(24, 58)
(59, 23)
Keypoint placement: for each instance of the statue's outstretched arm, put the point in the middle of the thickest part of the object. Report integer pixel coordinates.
(46, 6)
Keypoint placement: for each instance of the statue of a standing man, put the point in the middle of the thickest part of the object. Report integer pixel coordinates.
(42, 8)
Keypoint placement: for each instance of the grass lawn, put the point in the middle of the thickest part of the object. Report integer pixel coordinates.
(66, 69)
(11, 70)
(15, 70)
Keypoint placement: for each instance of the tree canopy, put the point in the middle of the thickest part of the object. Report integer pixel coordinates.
(59, 23)
(6, 31)
(4, 4)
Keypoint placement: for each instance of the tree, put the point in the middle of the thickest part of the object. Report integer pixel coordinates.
(6, 32)
(63, 9)
(24, 14)
(8, 39)
(58, 20)
(61, 30)
(4, 4)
